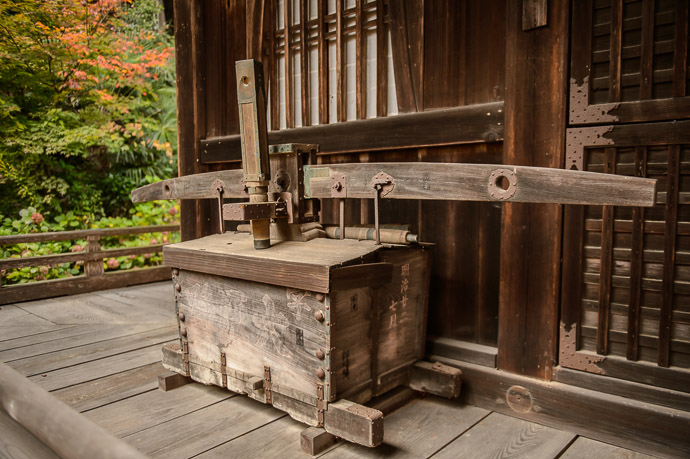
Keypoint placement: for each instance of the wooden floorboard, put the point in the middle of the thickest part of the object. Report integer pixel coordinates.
(101, 334)
(149, 409)
(278, 439)
(100, 353)
(90, 371)
(113, 388)
(204, 429)
(500, 436)
(16, 442)
(418, 429)
(587, 448)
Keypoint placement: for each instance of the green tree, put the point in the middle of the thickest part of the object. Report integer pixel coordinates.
(87, 104)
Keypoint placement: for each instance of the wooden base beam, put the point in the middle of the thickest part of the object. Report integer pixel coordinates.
(169, 381)
(435, 378)
(621, 421)
(316, 440)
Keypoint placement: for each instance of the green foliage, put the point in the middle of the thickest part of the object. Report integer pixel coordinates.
(87, 105)
(31, 221)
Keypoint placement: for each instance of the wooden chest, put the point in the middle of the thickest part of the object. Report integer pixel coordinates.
(314, 328)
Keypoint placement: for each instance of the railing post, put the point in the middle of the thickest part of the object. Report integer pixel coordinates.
(95, 267)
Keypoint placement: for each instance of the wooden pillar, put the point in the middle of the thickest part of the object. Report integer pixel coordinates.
(536, 117)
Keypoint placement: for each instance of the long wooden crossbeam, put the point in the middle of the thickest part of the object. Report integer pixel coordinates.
(432, 181)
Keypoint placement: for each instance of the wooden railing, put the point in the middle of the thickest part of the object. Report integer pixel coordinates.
(94, 277)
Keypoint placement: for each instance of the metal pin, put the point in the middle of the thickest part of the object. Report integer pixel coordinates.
(342, 219)
(221, 221)
(377, 229)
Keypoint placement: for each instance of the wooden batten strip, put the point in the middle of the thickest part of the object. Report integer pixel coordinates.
(323, 62)
(636, 256)
(289, 106)
(605, 266)
(273, 78)
(381, 62)
(647, 50)
(680, 51)
(360, 62)
(615, 47)
(663, 357)
(340, 62)
(304, 64)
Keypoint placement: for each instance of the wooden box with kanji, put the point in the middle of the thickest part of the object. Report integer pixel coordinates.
(315, 328)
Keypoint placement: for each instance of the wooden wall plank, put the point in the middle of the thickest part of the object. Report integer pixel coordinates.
(647, 49)
(636, 254)
(381, 62)
(274, 71)
(605, 262)
(360, 61)
(615, 62)
(289, 89)
(407, 40)
(304, 64)
(323, 61)
(536, 119)
(671, 218)
(340, 74)
(680, 50)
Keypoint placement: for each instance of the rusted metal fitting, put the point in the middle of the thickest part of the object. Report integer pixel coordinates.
(178, 288)
(320, 373)
(338, 186)
(320, 297)
(181, 316)
(183, 331)
(320, 354)
(502, 184)
(318, 315)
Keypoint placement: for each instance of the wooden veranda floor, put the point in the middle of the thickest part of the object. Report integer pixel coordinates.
(100, 353)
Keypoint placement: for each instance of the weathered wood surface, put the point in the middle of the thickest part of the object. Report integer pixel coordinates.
(82, 234)
(611, 418)
(18, 443)
(111, 389)
(80, 284)
(586, 447)
(254, 325)
(462, 350)
(476, 123)
(315, 440)
(197, 186)
(472, 182)
(498, 435)
(193, 420)
(435, 378)
(169, 381)
(302, 265)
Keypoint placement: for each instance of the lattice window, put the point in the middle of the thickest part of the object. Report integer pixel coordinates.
(334, 63)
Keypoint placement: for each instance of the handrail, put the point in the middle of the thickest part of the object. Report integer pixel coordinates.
(63, 430)
(94, 278)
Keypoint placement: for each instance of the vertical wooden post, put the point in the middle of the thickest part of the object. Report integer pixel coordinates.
(95, 267)
(536, 77)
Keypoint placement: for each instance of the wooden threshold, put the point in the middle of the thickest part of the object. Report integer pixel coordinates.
(614, 419)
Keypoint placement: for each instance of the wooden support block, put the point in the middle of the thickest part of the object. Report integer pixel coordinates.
(169, 381)
(316, 440)
(436, 378)
(355, 423)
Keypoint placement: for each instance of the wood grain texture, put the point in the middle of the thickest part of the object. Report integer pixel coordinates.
(472, 182)
(471, 124)
(418, 429)
(203, 429)
(303, 265)
(586, 447)
(31, 366)
(152, 408)
(82, 234)
(536, 118)
(78, 374)
(18, 443)
(604, 417)
(197, 186)
(110, 389)
(502, 436)
(276, 439)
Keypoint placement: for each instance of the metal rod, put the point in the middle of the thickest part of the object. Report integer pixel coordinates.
(66, 432)
(377, 228)
(342, 219)
(221, 220)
